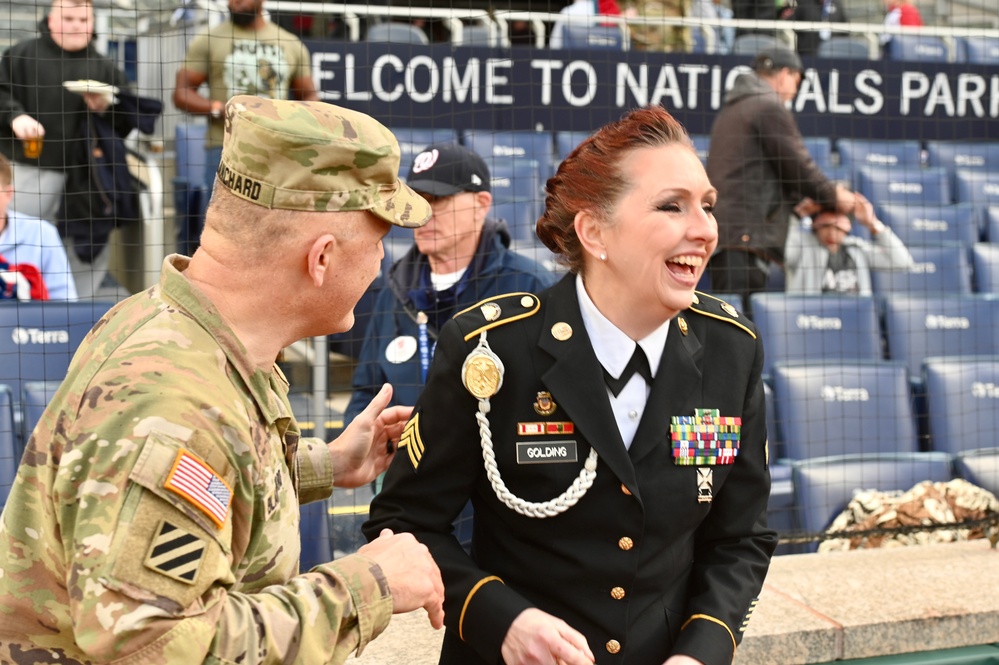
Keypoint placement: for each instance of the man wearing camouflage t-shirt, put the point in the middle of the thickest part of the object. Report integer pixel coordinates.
(154, 518)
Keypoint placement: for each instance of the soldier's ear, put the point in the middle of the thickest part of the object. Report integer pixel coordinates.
(320, 258)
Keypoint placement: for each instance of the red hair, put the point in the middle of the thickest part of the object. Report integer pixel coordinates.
(590, 177)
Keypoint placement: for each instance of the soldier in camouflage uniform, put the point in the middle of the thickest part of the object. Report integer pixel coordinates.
(155, 515)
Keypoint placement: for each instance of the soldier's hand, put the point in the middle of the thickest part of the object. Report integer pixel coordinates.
(538, 638)
(413, 577)
(26, 127)
(367, 445)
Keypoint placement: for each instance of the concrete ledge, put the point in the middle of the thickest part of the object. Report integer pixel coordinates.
(819, 608)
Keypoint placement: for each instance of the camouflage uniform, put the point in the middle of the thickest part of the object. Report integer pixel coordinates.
(154, 518)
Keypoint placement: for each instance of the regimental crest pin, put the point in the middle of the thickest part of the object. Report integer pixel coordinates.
(682, 323)
(730, 310)
(544, 405)
(491, 311)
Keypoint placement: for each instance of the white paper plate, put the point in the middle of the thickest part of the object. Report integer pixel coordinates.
(89, 85)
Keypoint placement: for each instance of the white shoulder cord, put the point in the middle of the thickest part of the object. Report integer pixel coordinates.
(482, 374)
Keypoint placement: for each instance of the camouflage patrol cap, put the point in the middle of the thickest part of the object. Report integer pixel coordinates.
(315, 156)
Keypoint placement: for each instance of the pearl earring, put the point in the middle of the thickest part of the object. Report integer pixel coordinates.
(603, 257)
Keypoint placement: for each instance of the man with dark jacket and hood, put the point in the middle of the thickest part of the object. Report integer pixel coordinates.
(459, 258)
(41, 120)
(762, 169)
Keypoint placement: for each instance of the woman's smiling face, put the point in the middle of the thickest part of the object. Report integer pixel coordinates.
(661, 232)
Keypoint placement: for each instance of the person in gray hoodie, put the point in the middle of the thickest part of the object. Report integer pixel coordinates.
(825, 258)
(762, 169)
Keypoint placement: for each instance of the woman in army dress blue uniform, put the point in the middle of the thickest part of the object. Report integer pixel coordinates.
(613, 523)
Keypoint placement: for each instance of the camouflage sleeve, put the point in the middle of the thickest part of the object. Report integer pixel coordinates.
(154, 579)
(315, 470)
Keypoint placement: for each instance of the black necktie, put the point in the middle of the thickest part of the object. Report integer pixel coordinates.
(638, 363)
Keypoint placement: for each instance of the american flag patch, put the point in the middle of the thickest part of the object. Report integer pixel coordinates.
(195, 481)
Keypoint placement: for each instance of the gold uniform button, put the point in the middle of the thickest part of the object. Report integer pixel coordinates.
(626, 543)
(625, 490)
(617, 593)
(613, 646)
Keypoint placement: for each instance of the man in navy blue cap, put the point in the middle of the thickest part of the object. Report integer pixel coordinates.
(459, 258)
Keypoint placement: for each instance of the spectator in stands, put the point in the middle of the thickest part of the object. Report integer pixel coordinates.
(756, 10)
(900, 13)
(651, 37)
(248, 55)
(460, 257)
(762, 169)
(33, 263)
(817, 11)
(724, 37)
(41, 128)
(155, 517)
(594, 531)
(575, 12)
(825, 258)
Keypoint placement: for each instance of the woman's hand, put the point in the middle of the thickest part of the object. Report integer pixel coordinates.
(538, 638)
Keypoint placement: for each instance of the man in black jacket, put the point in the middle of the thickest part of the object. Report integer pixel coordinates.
(41, 120)
(762, 169)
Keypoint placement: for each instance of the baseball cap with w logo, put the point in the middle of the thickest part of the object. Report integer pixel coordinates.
(446, 169)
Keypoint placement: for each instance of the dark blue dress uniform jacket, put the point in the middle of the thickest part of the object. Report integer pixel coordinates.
(639, 566)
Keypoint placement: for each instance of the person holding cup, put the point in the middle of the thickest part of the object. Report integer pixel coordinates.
(40, 118)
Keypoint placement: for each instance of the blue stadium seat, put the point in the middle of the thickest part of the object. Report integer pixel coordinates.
(917, 328)
(806, 328)
(518, 144)
(940, 269)
(879, 152)
(991, 224)
(576, 35)
(820, 148)
(315, 535)
(911, 185)
(752, 43)
(840, 408)
(918, 48)
(931, 225)
(953, 155)
(980, 187)
(566, 142)
(9, 455)
(845, 48)
(980, 467)
(961, 398)
(35, 396)
(981, 50)
(413, 140)
(824, 486)
(985, 263)
(517, 194)
(38, 339)
(399, 33)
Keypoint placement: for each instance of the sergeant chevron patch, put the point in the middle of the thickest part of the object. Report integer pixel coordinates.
(175, 553)
(411, 441)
